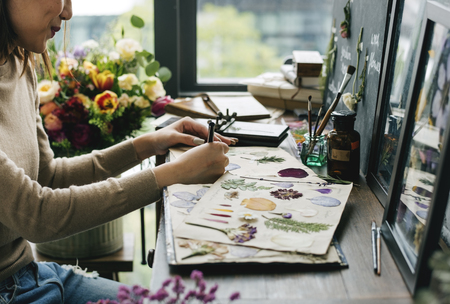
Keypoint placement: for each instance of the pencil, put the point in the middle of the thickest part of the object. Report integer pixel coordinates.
(378, 251)
(374, 247)
(211, 132)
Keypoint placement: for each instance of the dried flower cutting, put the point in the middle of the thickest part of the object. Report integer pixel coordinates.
(286, 224)
(241, 234)
(286, 194)
(203, 248)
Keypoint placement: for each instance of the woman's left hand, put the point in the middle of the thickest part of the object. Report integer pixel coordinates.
(185, 131)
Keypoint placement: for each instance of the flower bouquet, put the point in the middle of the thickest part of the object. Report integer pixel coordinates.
(100, 97)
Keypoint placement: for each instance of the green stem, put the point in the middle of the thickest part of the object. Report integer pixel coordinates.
(206, 227)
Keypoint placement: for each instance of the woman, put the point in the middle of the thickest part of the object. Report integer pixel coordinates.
(45, 199)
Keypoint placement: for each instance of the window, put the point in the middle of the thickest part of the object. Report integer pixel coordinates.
(213, 44)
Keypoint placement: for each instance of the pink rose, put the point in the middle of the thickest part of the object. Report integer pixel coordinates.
(159, 104)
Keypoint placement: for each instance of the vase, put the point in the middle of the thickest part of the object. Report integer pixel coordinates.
(96, 242)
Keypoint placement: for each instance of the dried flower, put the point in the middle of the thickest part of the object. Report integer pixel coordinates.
(286, 194)
(286, 215)
(241, 234)
(203, 248)
(248, 216)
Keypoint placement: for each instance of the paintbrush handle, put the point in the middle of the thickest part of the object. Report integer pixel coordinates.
(328, 114)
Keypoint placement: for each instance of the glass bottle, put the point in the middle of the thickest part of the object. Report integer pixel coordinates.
(343, 146)
(313, 152)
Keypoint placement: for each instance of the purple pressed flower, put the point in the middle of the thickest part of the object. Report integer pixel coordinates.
(324, 191)
(243, 233)
(166, 282)
(190, 294)
(196, 275)
(178, 287)
(286, 215)
(235, 296)
(160, 295)
(286, 194)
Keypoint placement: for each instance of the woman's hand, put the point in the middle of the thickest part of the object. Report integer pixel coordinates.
(202, 164)
(185, 131)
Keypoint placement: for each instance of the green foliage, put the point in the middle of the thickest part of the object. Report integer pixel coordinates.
(240, 184)
(270, 159)
(152, 68)
(137, 21)
(287, 225)
(164, 74)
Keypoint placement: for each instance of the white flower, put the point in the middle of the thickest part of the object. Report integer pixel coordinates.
(124, 100)
(114, 56)
(126, 81)
(90, 44)
(47, 90)
(127, 47)
(349, 101)
(153, 88)
(248, 216)
(141, 102)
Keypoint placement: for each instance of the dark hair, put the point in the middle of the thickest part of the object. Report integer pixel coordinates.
(7, 38)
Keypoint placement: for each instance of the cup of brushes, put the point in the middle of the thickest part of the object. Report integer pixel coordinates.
(314, 148)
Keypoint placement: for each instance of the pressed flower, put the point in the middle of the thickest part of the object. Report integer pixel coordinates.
(241, 234)
(248, 216)
(286, 194)
(286, 215)
(258, 204)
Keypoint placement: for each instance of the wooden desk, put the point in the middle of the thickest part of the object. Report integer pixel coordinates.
(107, 266)
(355, 284)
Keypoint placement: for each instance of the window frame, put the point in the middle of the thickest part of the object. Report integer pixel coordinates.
(175, 32)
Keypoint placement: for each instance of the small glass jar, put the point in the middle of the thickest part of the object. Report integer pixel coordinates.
(343, 147)
(314, 152)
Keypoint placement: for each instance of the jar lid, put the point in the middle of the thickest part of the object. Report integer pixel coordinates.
(343, 115)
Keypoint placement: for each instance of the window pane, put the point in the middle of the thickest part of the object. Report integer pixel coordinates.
(245, 38)
(102, 19)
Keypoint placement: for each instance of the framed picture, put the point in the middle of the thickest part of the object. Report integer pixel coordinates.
(419, 186)
(401, 46)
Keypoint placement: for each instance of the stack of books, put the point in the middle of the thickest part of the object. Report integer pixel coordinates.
(290, 88)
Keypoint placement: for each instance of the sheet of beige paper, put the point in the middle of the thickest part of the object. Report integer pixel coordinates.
(301, 208)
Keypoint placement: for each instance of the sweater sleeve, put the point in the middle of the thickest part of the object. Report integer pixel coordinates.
(71, 195)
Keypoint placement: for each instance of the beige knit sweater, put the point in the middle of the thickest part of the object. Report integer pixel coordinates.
(44, 199)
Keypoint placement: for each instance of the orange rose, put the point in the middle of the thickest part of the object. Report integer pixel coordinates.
(103, 81)
(52, 123)
(48, 108)
(106, 102)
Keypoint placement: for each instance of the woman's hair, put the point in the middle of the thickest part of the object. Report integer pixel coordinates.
(7, 38)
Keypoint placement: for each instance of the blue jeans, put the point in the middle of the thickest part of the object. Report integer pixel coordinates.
(49, 283)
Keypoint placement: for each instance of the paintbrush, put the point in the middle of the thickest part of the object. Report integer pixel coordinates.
(317, 121)
(350, 70)
(309, 116)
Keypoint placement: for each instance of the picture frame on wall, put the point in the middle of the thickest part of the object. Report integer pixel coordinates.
(401, 45)
(419, 187)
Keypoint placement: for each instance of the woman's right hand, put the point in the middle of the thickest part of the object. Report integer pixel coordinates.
(202, 164)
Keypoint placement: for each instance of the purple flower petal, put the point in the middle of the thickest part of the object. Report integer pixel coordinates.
(325, 201)
(284, 185)
(422, 205)
(231, 167)
(187, 196)
(422, 214)
(293, 172)
(324, 191)
(201, 192)
(182, 204)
